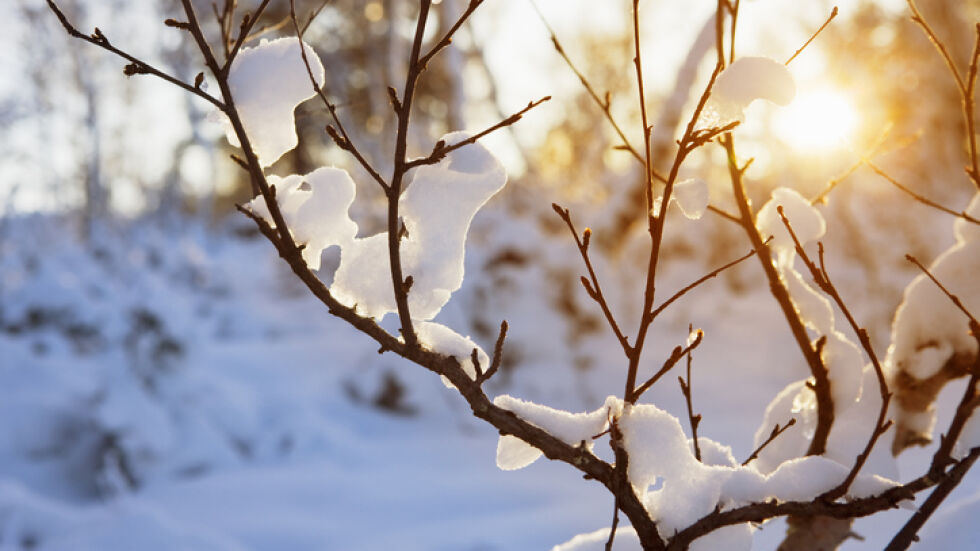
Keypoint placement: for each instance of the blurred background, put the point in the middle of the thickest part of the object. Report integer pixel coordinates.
(165, 383)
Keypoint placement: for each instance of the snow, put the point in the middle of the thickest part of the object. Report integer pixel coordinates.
(929, 332)
(572, 428)
(843, 359)
(691, 196)
(808, 224)
(267, 82)
(437, 209)
(315, 209)
(444, 340)
(625, 540)
(260, 433)
(746, 80)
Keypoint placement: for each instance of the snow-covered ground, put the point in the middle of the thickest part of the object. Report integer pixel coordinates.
(170, 386)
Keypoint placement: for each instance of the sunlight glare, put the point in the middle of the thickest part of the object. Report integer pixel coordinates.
(818, 121)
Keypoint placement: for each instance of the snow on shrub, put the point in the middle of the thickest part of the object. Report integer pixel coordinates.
(930, 342)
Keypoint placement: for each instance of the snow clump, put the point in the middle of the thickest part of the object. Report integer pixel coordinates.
(267, 83)
(437, 210)
(315, 209)
(746, 80)
(675, 487)
(930, 336)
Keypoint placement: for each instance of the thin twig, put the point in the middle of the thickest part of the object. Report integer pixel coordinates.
(615, 523)
(907, 535)
(822, 278)
(955, 299)
(969, 402)
(447, 38)
(342, 140)
(833, 14)
(498, 353)
(137, 66)
(919, 20)
(671, 361)
(825, 404)
(440, 150)
(247, 23)
(871, 152)
(694, 419)
(966, 86)
(920, 198)
(776, 431)
(656, 221)
(592, 286)
(699, 281)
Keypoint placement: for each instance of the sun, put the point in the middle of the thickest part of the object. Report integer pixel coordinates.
(817, 121)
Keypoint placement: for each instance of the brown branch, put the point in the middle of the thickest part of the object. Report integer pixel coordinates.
(970, 401)
(825, 404)
(403, 112)
(342, 140)
(503, 420)
(776, 431)
(286, 21)
(248, 21)
(919, 20)
(447, 38)
(872, 151)
(723, 214)
(858, 507)
(822, 278)
(675, 355)
(953, 298)
(440, 150)
(907, 535)
(498, 351)
(833, 14)
(920, 198)
(710, 275)
(592, 286)
(136, 66)
(695, 420)
(615, 523)
(656, 222)
(966, 86)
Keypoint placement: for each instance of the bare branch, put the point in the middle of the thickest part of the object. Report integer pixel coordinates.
(710, 275)
(440, 150)
(822, 279)
(343, 139)
(694, 419)
(248, 21)
(920, 198)
(776, 431)
(833, 14)
(498, 351)
(594, 289)
(136, 66)
(671, 361)
(907, 535)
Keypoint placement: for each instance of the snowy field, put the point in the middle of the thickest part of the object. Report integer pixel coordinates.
(171, 387)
